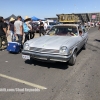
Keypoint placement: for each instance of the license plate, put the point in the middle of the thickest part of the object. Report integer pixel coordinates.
(26, 57)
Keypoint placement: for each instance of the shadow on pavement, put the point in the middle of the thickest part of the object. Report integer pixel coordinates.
(97, 40)
(15, 53)
(49, 64)
(93, 46)
(58, 65)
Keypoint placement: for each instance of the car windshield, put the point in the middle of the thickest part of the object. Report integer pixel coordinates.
(63, 30)
(52, 23)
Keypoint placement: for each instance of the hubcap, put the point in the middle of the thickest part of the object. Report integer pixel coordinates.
(74, 56)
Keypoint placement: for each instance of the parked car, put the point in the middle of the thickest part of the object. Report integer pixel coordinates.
(51, 24)
(61, 43)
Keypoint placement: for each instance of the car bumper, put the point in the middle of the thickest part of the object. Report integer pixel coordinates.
(48, 57)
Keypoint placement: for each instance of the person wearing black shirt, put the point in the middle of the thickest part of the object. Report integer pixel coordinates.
(3, 33)
(41, 28)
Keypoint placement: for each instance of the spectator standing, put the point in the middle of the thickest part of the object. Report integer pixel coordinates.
(18, 29)
(32, 33)
(85, 24)
(89, 25)
(11, 29)
(99, 26)
(26, 29)
(41, 28)
(45, 26)
(3, 34)
(27, 22)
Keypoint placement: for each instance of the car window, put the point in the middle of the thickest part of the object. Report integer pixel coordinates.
(63, 30)
(52, 23)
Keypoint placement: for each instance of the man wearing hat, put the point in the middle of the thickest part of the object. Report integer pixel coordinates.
(3, 33)
(11, 29)
(18, 29)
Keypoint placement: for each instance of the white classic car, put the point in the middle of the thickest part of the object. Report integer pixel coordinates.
(61, 43)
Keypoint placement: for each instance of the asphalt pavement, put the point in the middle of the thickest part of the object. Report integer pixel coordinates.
(35, 80)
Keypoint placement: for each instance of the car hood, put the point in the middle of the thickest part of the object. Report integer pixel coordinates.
(50, 42)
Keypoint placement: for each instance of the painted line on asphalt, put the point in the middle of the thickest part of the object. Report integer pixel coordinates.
(22, 81)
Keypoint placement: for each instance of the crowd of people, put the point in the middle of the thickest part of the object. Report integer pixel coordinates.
(88, 25)
(18, 28)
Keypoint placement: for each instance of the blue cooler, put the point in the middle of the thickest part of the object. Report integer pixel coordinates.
(14, 47)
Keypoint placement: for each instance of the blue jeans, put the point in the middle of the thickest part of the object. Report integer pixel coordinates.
(20, 38)
(13, 37)
(26, 36)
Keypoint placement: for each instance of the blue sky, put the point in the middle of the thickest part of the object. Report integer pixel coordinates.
(47, 8)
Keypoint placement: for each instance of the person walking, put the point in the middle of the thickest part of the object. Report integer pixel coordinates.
(11, 29)
(3, 34)
(41, 28)
(18, 29)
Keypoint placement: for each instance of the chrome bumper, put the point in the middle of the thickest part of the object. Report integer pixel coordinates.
(48, 57)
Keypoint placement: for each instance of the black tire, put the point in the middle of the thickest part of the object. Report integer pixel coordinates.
(72, 60)
(84, 46)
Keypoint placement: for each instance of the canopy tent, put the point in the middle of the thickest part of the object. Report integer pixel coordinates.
(43, 19)
(13, 16)
(35, 18)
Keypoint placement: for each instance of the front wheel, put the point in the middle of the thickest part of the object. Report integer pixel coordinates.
(72, 59)
(84, 46)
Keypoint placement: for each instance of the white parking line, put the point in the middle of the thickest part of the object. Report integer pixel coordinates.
(22, 81)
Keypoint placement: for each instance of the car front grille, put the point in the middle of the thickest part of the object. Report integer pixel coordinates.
(42, 50)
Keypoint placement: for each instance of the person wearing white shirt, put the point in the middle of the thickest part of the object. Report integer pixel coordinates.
(45, 26)
(18, 29)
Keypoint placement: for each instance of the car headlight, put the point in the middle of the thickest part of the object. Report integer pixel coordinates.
(26, 46)
(63, 50)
